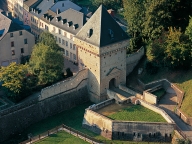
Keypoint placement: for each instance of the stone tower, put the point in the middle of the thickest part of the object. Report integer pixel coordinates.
(102, 44)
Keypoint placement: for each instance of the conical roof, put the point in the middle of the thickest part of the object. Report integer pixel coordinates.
(101, 29)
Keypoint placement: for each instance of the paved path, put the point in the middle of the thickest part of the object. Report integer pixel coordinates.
(168, 103)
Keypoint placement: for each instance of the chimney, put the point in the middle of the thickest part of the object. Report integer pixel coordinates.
(111, 12)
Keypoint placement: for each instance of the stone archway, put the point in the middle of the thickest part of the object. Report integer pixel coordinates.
(112, 83)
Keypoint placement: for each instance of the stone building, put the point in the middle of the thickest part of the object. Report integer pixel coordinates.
(102, 45)
(15, 41)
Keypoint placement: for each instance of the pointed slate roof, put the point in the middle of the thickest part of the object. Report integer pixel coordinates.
(101, 29)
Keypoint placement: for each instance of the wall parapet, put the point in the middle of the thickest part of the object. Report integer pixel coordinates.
(126, 89)
(64, 85)
(118, 97)
(101, 104)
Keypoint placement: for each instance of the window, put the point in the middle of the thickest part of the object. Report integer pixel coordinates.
(74, 56)
(22, 50)
(63, 51)
(59, 31)
(63, 42)
(74, 47)
(65, 34)
(11, 34)
(25, 41)
(59, 40)
(71, 45)
(13, 52)
(71, 36)
(67, 53)
(12, 44)
(67, 43)
(42, 24)
(20, 33)
(56, 38)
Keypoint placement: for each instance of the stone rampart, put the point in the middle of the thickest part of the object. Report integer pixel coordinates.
(127, 130)
(133, 59)
(17, 121)
(101, 104)
(64, 86)
(126, 89)
(118, 97)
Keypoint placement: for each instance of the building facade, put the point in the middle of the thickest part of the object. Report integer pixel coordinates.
(14, 41)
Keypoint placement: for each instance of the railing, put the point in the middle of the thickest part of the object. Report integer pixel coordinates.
(180, 132)
(62, 128)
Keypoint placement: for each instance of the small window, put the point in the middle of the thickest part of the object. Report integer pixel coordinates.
(13, 52)
(63, 42)
(74, 56)
(11, 34)
(71, 45)
(71, 36)
(22, 50)
(56, 38)
(67, 43)
(65, 34)
(74, 47)
(59, 40)
(12, 44)
(67, 53)
(59, 31)
(25, 41)
(20, 33)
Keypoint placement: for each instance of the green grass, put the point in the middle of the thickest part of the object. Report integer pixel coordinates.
(182, 78)
(137, 113)
(159, 93)
(62, 138)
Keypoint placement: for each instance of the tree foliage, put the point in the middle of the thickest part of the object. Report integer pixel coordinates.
(15, 80)
(114, 4)
(46, 62)
(172, 49)
(189, 29)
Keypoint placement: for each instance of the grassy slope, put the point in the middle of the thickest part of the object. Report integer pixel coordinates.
(183, 79)
(137, 113)
(62, 138)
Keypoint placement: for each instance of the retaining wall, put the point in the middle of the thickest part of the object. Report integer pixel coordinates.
(15, 119)
(126, 89)
(118, 97)
(101, 104)
(133, 59)
(149, 97)
(65, 85)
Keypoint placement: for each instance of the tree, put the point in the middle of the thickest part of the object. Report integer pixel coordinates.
(172, 49)
(114, 4)
(189, 29)
(47, 64)
(134, 12)
(15, 82)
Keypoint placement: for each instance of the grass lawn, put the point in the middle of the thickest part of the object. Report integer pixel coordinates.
(62, 138)
(159, 93)
(136, 113)
(182, 78)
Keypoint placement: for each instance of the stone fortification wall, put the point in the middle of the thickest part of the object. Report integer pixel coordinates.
(155, 109)
(133, 59)
(17, 118)
(101, 104)
(128, 130)
(65, 85)
(163, 82)
(126, 89)
(118, 97)
(97, 123)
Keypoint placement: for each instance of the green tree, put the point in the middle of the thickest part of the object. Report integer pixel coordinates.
(189, 29)
(14, 78)
(46, 63)
(172, 49)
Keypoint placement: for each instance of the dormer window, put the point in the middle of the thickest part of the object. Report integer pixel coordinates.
(75, 26)
(69, 23)
(63, 21)
(111, 34)
(89, 33)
